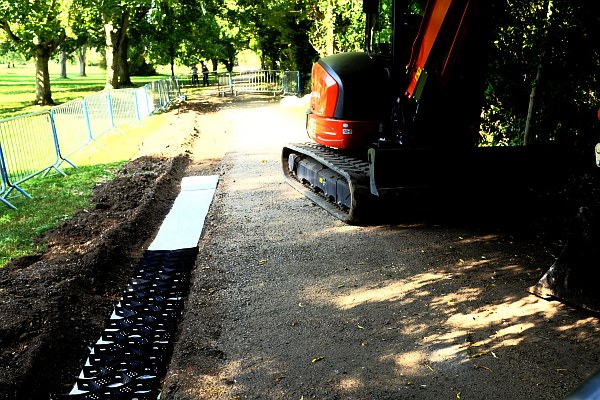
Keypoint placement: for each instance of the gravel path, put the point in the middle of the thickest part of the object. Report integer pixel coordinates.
(289, 303)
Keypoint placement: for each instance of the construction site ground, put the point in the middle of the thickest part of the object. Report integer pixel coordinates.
(286, 302)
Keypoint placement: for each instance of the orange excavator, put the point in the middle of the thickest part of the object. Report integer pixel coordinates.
(389, 119)
(403, 117)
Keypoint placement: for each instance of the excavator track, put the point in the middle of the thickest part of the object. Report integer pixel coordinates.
(334, 181)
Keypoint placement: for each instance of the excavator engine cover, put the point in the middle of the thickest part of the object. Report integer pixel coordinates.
(350, 94)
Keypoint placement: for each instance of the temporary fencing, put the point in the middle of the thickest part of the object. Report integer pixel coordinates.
(275, 82)
(265, 81)
(37, 143)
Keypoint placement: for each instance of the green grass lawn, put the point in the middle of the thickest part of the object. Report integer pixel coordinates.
(57, 198)
(17, 86)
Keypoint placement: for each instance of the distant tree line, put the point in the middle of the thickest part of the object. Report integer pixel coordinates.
(134, 35)
(544, 60)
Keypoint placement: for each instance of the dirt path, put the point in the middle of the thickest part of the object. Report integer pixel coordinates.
(289, 303)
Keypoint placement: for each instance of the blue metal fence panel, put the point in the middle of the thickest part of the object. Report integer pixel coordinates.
(28, 147)
(99, 113)
(123, 106)
(155, 94)
(3, 181)
(173, 92)
(143, 103)
(71, 127)
(291, 82)
(224, 83)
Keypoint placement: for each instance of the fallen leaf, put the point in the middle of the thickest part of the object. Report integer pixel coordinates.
(360, 327)
(458, 395)
(364, 344)
(262, 261)
(279, 378)
(317, 359)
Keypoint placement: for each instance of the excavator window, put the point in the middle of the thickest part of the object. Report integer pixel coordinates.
(382, 29)
(391, 14)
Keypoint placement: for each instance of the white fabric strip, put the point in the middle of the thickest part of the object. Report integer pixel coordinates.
(183, 225)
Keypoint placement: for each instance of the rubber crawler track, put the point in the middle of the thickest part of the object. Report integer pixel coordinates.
(355, 171)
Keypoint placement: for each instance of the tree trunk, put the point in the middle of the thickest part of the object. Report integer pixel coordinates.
(112, 66)
(329, 23)
(214, 65)
(114, 38)
(43, 94)
(172, 58)
(534, 85)
(124, 76)
(63, 64)
(527, 139)
(81, 56)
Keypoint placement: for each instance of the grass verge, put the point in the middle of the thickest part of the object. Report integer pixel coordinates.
(18, 87)
(55, 199)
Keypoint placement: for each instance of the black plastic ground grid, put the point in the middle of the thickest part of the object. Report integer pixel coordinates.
(132, 354)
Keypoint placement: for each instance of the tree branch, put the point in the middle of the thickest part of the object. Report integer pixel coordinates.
(50, 9)
(9, 32)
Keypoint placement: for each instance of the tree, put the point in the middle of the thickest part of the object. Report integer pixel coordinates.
(82, 60)
(63, 63)
(174, 31)
(338, 26)
(233, 32)
(38, 29)
(88, 33)
(538, 75)
(566, 95)
(115, 19)
(116, 16)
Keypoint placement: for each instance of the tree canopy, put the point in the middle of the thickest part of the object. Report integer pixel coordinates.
(551, 46)
(38, 28)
